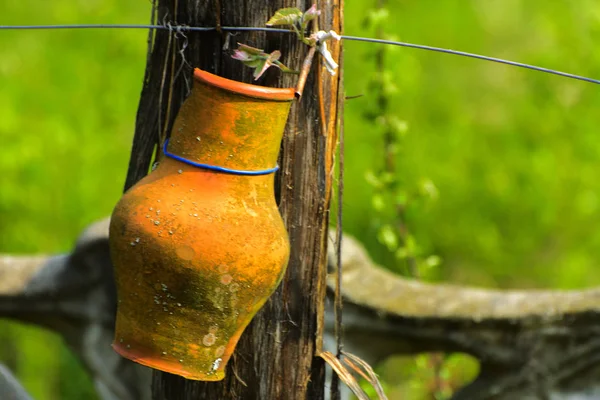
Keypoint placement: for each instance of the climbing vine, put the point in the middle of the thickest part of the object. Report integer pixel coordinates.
(393, 196)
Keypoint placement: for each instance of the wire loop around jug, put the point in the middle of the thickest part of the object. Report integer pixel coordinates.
(215, 167)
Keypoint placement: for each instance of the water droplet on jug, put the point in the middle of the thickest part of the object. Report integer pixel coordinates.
(180, 171)
(198, 138)
(157, 222)
(185, 252)
(209, 339)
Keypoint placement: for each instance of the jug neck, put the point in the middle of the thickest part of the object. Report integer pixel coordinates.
(231, 124)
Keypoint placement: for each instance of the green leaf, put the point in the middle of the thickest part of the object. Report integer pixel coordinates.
(378, 202)
(402, 198)
(285, 16)
(373, 180)
(387, 236)
(274, 56)
(285, 69)
(428, 189)
(265, 63)
(410, 244)
(398, 126)
(259, 68)
(432, 261)
(250, 50)
(258, 59)
(378, 16)
(401, 253)
(387, 178)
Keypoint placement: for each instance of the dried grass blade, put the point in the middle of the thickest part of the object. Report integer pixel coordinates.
(359, 371)
(373, 379)
(344, 375)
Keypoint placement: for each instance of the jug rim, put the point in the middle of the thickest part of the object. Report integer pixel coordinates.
(245, 89)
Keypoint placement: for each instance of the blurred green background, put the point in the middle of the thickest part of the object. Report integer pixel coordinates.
(503, 161)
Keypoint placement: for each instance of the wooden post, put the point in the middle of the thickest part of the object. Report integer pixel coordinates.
(277, 355)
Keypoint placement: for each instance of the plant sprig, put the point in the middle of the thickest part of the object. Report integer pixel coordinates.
(259, 60)
(298, 21)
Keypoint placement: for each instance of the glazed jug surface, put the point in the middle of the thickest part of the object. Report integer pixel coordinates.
(196, 251)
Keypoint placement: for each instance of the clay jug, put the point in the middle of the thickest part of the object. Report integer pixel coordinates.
(198, 245)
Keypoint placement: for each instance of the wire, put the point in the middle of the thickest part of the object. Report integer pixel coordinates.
(472, 55)
(142, 26)
(179, 28)
(215, 167)
(80, 26)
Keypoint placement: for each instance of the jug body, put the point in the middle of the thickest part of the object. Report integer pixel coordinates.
(198, 250)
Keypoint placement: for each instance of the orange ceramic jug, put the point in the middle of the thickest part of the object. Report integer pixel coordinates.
(198, 245)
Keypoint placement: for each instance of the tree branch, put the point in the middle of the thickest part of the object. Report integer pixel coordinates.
(531, 344)
(372, 286)
(74, 295)
(16, 271)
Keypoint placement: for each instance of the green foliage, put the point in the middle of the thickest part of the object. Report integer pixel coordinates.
(496, 167)
(285, 16)
(392, 196)
(507, 157)
(297, 20)
(415, 378)
(258, 59)
(67, 110)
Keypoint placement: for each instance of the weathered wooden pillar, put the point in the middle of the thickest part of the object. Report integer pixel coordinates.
(276, 357)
